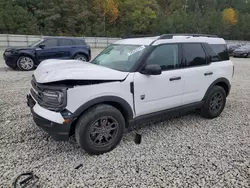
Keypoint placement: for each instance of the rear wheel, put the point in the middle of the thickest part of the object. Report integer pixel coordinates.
(214, 103)
(81, 57)
(100, 129)
(25, 63)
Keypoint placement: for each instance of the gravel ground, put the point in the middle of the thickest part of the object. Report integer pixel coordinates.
(184, 152)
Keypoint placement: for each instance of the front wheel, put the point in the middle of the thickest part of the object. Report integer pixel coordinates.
(214, 103)
(25, 63)
(100, 129)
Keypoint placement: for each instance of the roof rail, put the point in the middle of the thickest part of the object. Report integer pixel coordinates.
(138, 36)
(170, 36)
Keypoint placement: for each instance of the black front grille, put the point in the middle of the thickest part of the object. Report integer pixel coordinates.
(36, 90)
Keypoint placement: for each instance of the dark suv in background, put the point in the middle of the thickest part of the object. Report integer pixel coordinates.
(27, 58)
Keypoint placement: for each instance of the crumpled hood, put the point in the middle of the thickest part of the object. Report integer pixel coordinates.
(53, 70)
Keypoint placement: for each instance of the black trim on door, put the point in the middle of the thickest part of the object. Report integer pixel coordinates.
(169, 112)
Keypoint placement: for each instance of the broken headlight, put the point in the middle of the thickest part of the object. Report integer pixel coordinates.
(52, 98)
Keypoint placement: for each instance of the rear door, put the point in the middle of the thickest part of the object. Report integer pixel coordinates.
(197, 74)
(65, 48)
(50, 50)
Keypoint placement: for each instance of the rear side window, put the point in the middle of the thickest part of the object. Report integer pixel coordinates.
(50, 43)
(193, 55)
(221, 50)
(66, 42)
(212, 56)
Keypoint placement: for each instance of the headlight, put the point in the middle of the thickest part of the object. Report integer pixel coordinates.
(52, 98)
(8, 53)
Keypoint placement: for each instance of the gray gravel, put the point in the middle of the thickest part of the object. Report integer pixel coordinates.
(184, 152)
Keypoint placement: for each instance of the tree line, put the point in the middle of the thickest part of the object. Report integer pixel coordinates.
(115, 18)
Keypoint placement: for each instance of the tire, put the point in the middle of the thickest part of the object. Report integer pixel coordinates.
(81, 57)
(90, 134)
(211, 109)
(25, 63)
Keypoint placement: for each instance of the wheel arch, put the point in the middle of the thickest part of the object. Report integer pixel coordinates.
(28, 55)
(223, 82)
(81, 53)
(117, 102)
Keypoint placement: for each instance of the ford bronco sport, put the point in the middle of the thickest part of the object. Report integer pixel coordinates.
(130, 81)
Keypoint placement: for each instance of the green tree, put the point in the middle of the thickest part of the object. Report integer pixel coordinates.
(15, 19)
(137, 16)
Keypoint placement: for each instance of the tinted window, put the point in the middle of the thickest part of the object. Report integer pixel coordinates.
(213, 57)
(221, 50)
(166, 56)
(194, 55)
(79, 42)
(66, 42)
(50, 42)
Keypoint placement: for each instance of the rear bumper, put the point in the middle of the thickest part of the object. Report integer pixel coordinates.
(58, 131)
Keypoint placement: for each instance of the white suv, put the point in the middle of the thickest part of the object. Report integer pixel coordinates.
(132, 80)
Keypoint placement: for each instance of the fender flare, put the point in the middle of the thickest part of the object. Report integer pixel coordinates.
(127, 110)
(24, 53)
(84, 52)
(219, 80)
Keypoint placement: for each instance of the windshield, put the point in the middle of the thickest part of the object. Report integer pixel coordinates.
(119, 57)
(34, 44)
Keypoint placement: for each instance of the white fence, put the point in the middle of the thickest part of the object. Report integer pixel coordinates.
(94, 42)
(25, 40)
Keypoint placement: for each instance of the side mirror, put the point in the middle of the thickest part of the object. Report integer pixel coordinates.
(42, 46)
(152, 69)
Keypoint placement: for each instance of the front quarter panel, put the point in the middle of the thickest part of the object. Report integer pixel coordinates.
(29, 52)
(80, 95)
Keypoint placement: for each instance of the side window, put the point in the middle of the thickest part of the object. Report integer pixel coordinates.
(212, 55)
(221, 50)
(66, 42)
(79, 42)
(165, 55)
(50, 43)
(194, 55)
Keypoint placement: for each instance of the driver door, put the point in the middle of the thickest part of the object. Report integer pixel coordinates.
(49, 51)
(154, 93)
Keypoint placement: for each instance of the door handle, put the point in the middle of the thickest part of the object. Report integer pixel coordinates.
(174, 79)
(208, 73)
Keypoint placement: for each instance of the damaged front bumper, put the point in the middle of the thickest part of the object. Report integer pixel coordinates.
(51, 122)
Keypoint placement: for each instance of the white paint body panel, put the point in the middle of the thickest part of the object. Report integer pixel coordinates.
(56, 70)
(80, 95)
(196, 83)
(160, 93)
